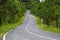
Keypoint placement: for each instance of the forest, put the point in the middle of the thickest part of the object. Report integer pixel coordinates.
(11, 11)
(48, 11)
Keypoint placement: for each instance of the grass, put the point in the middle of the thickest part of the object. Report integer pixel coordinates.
(6, 27)
(45, 27)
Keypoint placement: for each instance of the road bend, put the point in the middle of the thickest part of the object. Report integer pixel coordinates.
(28, 31)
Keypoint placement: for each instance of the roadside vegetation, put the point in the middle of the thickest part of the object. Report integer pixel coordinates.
(49, 13)
(6, 27)
(11, 14)
(42, 26)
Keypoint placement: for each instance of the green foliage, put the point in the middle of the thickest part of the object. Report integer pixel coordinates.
(2, 2)
(49, 11)
(45, 27)
(25, 0)
(11, 11)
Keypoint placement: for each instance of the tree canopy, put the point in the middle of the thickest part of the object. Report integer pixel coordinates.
(49, 11)
(11, 11)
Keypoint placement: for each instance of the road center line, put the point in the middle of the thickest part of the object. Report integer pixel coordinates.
(27, 26)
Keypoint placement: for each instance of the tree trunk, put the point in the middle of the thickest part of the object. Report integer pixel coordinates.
(48, 23)
(57, 21)
(0, 21)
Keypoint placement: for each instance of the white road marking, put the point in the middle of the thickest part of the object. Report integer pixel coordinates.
(4, 37)
(37, 34)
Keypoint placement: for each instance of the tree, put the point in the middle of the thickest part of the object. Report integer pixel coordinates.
(46, 11)
(11, 11)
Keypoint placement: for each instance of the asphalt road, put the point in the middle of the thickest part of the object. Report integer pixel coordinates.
(29, 31)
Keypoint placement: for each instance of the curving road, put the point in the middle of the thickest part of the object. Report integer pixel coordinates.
(29, 31)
